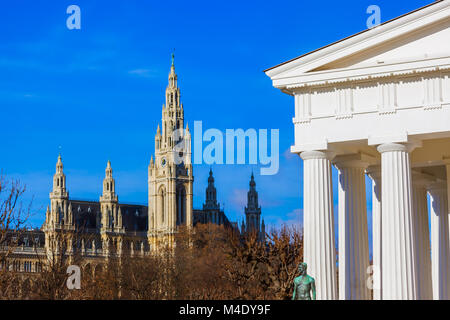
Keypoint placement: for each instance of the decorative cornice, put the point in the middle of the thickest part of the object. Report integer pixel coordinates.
(364, 78)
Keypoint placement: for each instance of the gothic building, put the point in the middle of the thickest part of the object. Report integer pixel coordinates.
(109, 228)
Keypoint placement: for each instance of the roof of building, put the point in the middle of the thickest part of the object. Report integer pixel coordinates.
(354, 35)
(134, 217)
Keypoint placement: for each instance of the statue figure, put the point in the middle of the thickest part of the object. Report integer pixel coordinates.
(303, 285)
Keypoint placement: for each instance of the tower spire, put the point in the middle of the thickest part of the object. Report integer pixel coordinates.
(109, 185)
(170, 180)
(253, 210)
(211, 193)
(59, 179)
(59, 197)
(109, 203)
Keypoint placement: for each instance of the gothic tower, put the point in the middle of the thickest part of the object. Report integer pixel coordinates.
(60, 214)
(253, 212)
(111, 216)
(59, 217)
(170, 172)
(211, 194)
(211, 207)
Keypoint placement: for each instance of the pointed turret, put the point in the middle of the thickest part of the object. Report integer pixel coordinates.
(253, 210)
(109, 185)
(59, 178)
(59, 165)
(172, 75)
(108, 201)
(47, 215)
(119, 219)
(158, 139)
(69, 219)
(59, 197)
(252, 195)
(211, 194)
(252, 182)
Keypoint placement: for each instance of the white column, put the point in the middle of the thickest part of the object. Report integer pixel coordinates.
(439, 240)
(318, 242)
(422, 235)
(374, 173)
(353, 233)
(399, 281)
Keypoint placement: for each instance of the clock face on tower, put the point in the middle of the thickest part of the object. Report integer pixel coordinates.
(163, 162)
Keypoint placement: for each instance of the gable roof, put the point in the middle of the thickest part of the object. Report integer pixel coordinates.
(435, 6)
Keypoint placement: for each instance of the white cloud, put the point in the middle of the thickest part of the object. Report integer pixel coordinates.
(142, 72)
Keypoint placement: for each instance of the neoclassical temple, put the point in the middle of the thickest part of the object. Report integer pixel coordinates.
(376, 103)
(109, 228)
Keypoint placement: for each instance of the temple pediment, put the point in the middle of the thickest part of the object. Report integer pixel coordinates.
(426, 43)
(391, 47)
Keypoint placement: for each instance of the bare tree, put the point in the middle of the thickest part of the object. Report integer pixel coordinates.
(284, 253)
(13, 217)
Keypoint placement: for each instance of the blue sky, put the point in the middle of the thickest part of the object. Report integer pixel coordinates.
(98, 91)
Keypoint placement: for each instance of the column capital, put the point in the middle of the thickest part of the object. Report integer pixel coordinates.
(392, 147)
(357, 160)
(316, 154)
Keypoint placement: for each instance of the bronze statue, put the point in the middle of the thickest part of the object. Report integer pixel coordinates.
(303, 285)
